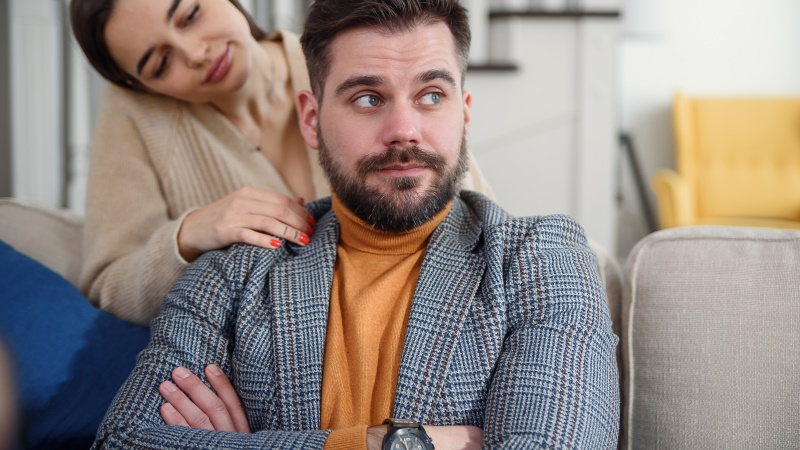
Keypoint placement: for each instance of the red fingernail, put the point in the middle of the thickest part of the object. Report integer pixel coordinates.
(310, 230)
(304, 239)
(275, 243)
(312, 221)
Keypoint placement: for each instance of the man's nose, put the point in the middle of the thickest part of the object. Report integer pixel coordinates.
(401, 126)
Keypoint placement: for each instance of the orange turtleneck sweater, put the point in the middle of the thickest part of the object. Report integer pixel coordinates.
(373, 284)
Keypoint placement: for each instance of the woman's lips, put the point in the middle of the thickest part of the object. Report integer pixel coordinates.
(219, 67)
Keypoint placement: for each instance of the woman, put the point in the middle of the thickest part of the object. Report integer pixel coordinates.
(197, 144)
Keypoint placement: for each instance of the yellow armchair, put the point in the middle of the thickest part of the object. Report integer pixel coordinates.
(738, 163)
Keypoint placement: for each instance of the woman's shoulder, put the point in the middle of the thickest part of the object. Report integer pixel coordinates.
(140, 104)
(295, 60)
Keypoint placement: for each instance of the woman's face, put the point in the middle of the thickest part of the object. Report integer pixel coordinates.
(193, 50)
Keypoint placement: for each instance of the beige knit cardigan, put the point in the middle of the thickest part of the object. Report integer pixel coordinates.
(154, 160)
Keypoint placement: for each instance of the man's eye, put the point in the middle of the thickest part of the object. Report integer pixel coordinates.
(367, 101)
(431, 98)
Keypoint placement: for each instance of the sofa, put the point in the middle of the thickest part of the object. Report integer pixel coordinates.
(708, 320)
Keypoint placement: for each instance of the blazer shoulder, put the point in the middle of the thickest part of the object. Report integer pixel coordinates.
(555, 230)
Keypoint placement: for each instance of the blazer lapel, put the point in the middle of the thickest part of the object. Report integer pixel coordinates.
(448, 281)
(300, 290)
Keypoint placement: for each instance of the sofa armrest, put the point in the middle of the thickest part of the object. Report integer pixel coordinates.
(710, 322)
(675, 202)
(51, 236)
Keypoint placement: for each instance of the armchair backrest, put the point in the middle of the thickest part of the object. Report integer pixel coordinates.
(740, 156)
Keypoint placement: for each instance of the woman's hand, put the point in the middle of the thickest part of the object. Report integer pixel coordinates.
(249, 215)
(192, 404)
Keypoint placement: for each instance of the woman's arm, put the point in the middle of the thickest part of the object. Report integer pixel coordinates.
(136, 243)
(130, 243)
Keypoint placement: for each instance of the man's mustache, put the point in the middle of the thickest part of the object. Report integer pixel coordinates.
(397, 155)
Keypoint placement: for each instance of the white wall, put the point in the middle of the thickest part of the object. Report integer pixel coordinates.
(36, 92)
(724, 47)
(544, 135)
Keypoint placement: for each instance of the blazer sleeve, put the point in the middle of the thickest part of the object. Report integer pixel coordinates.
(130, 242)
(196, 327)
(556, 382)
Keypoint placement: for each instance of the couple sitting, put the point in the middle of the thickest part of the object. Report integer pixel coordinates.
(413, 302)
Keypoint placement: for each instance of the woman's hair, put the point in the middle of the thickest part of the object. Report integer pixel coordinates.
(89, 19)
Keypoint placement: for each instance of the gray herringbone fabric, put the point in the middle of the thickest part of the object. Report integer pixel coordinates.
(509, 330)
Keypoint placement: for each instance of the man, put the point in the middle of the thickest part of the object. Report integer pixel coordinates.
(411, 301)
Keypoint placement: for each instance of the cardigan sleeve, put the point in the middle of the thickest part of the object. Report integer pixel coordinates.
(131, 253)
(556, 382)
(195, 327)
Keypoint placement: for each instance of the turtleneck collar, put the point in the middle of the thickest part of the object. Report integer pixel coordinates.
(359, 235)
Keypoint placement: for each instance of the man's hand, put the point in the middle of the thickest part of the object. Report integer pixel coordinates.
(192, 404)
(453, 437)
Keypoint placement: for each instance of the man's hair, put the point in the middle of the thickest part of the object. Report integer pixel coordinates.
(328, 18)
(89, 19)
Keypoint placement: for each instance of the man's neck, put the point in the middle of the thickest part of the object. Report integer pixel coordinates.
(357, 234)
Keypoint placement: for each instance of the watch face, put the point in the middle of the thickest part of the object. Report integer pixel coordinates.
(408, 442)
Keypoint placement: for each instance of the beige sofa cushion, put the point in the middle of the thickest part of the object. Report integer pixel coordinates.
(51, 236)
(711, 335)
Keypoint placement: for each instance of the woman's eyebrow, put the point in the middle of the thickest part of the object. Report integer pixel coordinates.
(170, 14)
(172, 9)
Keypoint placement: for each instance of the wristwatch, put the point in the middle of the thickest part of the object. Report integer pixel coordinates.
(404, 434)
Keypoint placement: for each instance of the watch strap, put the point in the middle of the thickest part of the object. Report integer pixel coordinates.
(397, 424)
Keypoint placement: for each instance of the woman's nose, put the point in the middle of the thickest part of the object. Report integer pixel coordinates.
(194, 51)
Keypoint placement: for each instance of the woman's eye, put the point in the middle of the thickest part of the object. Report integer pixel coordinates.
(367, 101)
(192, 14)
(431, 98)
(162, 65)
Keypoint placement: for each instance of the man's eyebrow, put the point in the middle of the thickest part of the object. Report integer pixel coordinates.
(144, 59)
(437, 74)
(359, 81)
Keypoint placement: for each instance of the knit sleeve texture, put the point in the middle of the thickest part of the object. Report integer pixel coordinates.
(131, 250)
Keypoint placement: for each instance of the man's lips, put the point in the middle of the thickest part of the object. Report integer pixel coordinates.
(219, 67)
(402, 170)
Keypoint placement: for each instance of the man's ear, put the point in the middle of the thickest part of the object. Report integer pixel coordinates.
(308, 112)
(467, 105)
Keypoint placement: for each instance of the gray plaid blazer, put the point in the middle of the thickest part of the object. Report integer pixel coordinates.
(509, 331)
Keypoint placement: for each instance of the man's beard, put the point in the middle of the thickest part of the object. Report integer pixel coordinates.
(396, 207)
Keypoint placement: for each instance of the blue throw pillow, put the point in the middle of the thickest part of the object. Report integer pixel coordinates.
(70, 358)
